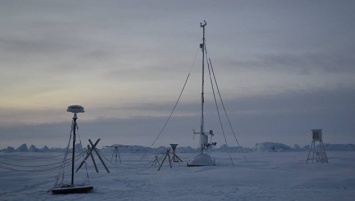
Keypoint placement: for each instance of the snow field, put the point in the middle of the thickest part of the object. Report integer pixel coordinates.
(264, 176)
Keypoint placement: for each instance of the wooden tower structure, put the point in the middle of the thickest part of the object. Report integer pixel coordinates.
(316, 151)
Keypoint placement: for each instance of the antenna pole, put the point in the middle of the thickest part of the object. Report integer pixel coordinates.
(202, 46)
(72, 159)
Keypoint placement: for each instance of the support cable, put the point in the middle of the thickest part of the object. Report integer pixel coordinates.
(171, 114)
(87, 179)
(36, 169)
(24, 159)
(222, 103)
(224, 108)
(61, 171)
(31, 166)
(216, 104)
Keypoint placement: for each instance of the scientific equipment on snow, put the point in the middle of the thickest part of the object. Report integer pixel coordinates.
(318, 152)
(72, 188)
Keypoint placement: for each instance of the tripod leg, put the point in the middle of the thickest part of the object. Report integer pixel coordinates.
(112, 155)
(178, 158)
(169, 160)
(118, 154)
(163, 161)
(93, 160)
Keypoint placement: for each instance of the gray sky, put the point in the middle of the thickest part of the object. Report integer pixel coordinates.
(283, 68)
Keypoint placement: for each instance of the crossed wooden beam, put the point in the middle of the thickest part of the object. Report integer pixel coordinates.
(90, 149)
(166, 155)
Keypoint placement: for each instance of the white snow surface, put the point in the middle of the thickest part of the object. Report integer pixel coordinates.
(264, 176)
(201, 159)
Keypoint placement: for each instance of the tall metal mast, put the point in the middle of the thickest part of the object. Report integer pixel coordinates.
(203, 159)
(202, 46)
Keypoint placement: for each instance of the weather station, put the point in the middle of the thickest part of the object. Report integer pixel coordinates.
(203, 159)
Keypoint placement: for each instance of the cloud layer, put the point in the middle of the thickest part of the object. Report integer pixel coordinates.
(283, 68)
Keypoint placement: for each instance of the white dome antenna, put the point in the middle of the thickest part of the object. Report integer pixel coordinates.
(75, 109)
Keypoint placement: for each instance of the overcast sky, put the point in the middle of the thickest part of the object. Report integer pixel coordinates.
(283, 68)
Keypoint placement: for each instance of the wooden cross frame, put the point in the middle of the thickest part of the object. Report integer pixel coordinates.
(166, 155)
(89, 153)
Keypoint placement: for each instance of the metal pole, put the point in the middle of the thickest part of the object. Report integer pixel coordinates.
(203, 83)
(73, 155)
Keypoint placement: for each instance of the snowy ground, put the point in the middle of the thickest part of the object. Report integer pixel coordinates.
(264, 176)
